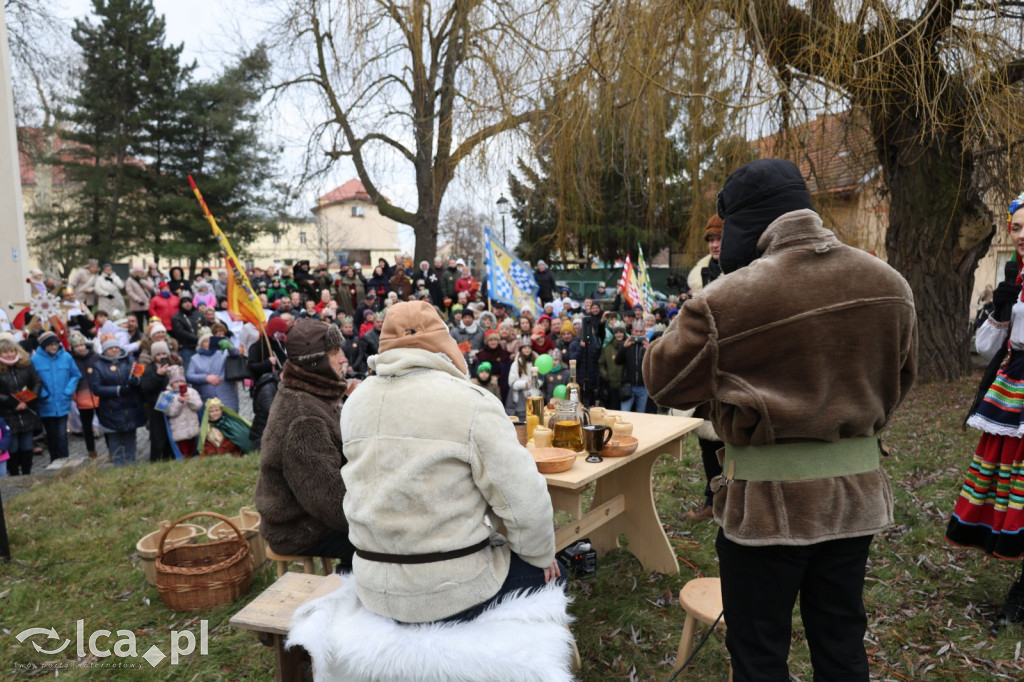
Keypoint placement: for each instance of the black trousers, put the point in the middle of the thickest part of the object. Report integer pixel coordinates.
(760, 585)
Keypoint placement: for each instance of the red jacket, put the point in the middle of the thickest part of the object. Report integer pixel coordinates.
(164, 308)
(469, 285)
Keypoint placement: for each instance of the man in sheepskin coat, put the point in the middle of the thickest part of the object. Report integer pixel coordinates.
(424, 477)
(299, 490)
(804, 349)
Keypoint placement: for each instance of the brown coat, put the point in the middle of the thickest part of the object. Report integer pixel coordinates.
(299, 492)
(813, 341)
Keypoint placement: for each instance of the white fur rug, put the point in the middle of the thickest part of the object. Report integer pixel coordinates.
(524, 638)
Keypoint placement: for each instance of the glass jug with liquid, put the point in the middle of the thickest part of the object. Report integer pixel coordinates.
(567, 426)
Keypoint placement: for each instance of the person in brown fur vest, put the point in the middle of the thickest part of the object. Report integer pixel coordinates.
(299, 492)
(804, 348)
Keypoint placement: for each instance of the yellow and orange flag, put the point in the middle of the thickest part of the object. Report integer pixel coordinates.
(243, 303)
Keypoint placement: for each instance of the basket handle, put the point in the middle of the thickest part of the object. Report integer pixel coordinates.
(163, 536)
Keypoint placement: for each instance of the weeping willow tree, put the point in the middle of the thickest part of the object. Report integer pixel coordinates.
(938, 84)
(633, 145)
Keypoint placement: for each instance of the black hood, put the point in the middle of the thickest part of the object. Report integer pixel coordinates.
(751, 199)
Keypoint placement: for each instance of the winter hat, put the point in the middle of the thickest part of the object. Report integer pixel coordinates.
(156, 328)
(46, 338)
(77, 338)
(567, 327)
(491, 332)
(158, 348)
(483, 367)
(175, 373)
(275, 325)
(750, 200)
(163, 285)
(184, 296)
(713, 230)
(309, 342)
(415, 324)
(204, 333)
(112, 343)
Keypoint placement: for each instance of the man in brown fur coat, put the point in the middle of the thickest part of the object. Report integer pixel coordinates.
(299, 492)
(803, 349)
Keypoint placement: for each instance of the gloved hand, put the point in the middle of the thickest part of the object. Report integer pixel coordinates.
(1005, 295)
(134, 381)
(225, 345)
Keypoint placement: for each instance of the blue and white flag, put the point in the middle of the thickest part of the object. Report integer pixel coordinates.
(510, 281)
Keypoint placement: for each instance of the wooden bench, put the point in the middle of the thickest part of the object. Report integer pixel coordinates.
(270, 615)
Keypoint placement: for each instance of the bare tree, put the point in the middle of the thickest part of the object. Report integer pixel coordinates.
(462, 227)
(417, 87)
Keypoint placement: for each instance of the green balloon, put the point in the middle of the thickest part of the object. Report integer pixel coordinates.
(544, 364)
(559, 392)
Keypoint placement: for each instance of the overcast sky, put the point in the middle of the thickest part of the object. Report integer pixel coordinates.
(208, 30)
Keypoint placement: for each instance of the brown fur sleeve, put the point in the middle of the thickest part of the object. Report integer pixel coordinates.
(313, 470)
(680, 367)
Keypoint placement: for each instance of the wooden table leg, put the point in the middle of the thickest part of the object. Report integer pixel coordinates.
(290, 663)
(640, 522)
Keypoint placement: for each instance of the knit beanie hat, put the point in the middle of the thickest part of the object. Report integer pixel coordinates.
(157, 327)
(47, 338)
(276, 324)
(175, 373)
(415, 324)
(309, 342)
(491, 332)
(713, 230)
(750, 200)
(483, 367)
(76, 338)
(158, 348)
(111, 343)
(567, 327)
(204, 333)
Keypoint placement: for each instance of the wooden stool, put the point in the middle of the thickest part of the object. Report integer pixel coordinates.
(307, 562)
(701, 599)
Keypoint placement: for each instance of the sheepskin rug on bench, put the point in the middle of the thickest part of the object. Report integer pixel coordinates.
(523, 638)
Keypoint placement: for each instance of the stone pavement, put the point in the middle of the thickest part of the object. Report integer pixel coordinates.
(78, 456)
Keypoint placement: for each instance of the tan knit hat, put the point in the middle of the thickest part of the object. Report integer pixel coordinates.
(416, 324)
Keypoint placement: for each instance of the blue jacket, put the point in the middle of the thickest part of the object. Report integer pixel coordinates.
(5, 437)
(60, 377)
(200, 366)
(111, 380)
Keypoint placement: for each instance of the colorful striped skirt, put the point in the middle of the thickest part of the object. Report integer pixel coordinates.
(989, 514)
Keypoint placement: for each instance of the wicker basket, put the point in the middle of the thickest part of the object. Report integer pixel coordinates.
(200, 576)
(248, 521)
(149, 545)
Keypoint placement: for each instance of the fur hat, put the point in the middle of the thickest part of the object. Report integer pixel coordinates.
(415, 324)
(159, 347)
(309, 341)
(713, 230)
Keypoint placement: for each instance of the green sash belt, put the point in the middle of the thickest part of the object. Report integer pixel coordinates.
(801, 461)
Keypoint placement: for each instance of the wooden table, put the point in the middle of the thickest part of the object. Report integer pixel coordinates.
(623, 497)
(270, 616)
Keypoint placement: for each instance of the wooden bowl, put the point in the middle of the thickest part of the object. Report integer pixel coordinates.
(553, 460)
(620, 446)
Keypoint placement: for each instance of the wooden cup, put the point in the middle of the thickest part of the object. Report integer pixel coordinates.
(621, 428)
(542, 437)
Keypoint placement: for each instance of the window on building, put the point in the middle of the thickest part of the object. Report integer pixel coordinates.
(358, 211)
(302, 237)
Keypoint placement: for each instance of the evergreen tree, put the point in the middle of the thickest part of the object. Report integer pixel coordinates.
(128, 74)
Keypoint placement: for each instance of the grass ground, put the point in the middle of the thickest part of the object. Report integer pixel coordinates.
(929, 604)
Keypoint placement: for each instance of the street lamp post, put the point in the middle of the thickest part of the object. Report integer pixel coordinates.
(503, 209)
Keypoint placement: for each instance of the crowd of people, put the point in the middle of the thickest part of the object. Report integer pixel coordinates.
(157, 349)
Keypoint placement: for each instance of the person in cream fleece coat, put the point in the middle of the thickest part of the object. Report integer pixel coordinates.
(427, 483)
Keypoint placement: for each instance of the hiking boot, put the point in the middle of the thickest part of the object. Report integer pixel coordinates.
(92, 454)
(700, 514)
